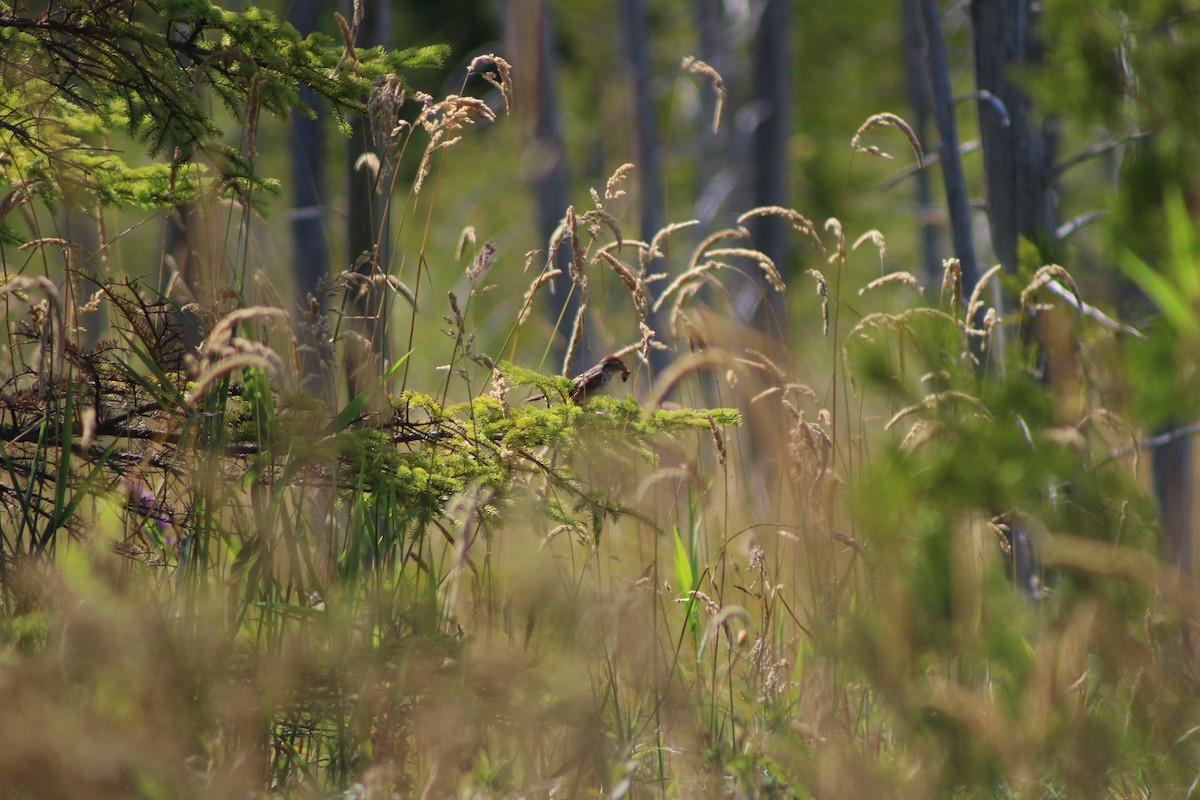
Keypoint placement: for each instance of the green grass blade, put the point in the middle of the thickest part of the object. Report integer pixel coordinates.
(354, 407)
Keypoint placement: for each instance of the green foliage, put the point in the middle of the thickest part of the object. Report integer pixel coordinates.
(69, 79)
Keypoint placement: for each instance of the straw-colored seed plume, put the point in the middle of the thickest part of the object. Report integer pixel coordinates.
(697, 67)
(722, 235)
(764, 262)
(951, 280)
(906, 278)
(597, 216)
(975, 301)
(629, 279)
(932, 401)
(1045, 275)
(656, 244)
(718, 439)
(573, 342)
(886, 120)
(220, 337)
(799, 222)
(501, 78)
(834, 225)
(611, 192)
(686, 281)
(763, 362)
(823, 293)
(482, 262)
(467, 237)
(875, 238)
(540, 281)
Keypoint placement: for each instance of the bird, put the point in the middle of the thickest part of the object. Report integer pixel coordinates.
(595, 380)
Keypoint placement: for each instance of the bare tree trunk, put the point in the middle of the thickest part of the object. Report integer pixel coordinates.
(1018, 167)
(634, 28)
(529, 30)
(310, 251)
(1174, 476)
(1018, 155)
(952, 174)
(772, 90)
(366, 232)
(921, 101)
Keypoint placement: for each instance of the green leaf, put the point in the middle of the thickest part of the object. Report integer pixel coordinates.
(1182, 252)
(352, 409)
(1168, 297)
(685, 576)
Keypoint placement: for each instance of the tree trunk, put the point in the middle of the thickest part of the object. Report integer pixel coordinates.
(772, 91)
(366, 230)
(1018, 155)
(634, 29)
(310, 251)
(922, 103)
(952, 174)
(529, 30)
(1018, 169)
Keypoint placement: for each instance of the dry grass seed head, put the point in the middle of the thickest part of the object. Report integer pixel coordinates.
(722, 235)
(951, 280)
(383, 105)
(501, 78)
(990, 320)
(576, 334)
(21, 193)
(684, 365)
(697, 67)
(886, 120)
(975, 301)
(809, 448)
(823, 293)
(931, 401)
(770, 391)
(920, 433)
(874, 237)
(798, 221)
(349, 52)
(762, 259)
(527, 302)
(906, 278)
(647, 342)
(677, 316)
(718, 439)
(453, 113)
(266, 360)
(1045, 275)
(1001, 529)
(219, 339)
(597, 216)
(611, 192)
(835, 225)
(688, 284)
(765, 364)
(570, 228)
(482, 262)
(656, 244)
(467, 236)
(625, 272)
(803, 390)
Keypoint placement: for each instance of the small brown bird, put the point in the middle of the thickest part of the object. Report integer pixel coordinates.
(595, 380)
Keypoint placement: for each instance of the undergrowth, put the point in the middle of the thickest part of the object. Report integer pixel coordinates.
(216, 584)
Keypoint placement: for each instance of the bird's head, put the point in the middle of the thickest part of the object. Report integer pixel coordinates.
(613, 365)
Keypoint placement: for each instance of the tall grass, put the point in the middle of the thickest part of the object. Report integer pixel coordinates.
(214, 585)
